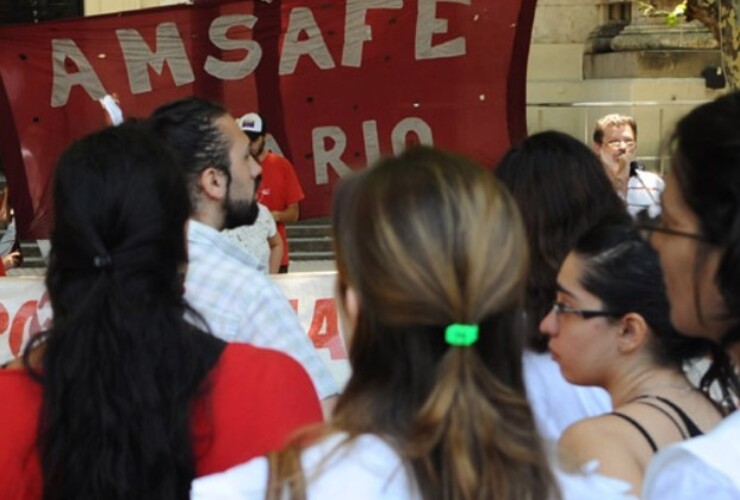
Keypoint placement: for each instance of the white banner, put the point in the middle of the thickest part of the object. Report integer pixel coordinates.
(25, 310)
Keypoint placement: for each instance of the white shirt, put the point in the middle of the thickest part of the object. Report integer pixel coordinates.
(704, 468)
(366, 469)
(555, 402)
(253, 239)
(241, 304)
(643, 192)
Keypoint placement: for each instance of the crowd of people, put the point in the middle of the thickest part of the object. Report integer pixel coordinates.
(523, 335)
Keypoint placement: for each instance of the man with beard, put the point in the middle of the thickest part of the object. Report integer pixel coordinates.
(223, 282)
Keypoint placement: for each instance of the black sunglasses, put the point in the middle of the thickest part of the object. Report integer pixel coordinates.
(561, 308)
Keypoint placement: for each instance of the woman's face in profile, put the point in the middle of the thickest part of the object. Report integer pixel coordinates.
(581, 344)
(686, 285)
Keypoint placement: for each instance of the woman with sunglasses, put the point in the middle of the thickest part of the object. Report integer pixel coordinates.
(610, 327)
(698, 242)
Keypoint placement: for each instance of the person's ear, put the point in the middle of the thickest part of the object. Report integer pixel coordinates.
(348, 302)
(351, 306)
(213, 183)
(633, 334)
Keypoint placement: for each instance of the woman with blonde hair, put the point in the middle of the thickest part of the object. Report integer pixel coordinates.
(432, 264)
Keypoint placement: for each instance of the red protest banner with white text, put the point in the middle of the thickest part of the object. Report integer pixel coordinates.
(340, 82)
(25, 310)
(312, 297)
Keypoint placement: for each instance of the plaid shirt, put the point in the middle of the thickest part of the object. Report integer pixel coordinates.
(241, 304)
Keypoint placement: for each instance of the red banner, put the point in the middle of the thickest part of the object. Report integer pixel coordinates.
(340, 82)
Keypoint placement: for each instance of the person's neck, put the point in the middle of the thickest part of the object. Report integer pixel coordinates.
(734, 352)
(210, 215)
(648, 381)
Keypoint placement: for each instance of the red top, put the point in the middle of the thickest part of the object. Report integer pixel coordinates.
(279, 189)
(258, 398)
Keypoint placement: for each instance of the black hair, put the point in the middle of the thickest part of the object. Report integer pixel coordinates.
(706, 165)
(562, 190)
(120, 367)
(623, 271)
(253, 136)
(188, 127)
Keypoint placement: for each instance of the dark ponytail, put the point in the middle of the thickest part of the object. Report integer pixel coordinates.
(120, 366)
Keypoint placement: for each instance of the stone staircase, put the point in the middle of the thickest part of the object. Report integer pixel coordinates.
(33, 263)
(310, 240)
(32, 254)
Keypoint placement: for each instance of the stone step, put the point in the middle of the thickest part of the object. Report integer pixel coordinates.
(310, 240)
(320, 244)
(311, 256)
(32, 255)
(308, 230)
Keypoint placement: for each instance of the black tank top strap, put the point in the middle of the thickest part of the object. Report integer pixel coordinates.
(668, 416)
(691, 427)
(639, 427)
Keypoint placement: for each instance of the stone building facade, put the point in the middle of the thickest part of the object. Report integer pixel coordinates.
(589, 58)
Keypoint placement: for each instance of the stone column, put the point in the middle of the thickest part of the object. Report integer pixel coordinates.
(644, 45)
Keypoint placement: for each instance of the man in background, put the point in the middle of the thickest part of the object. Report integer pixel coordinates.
(224, 283)
(280, 191)
(615, 143)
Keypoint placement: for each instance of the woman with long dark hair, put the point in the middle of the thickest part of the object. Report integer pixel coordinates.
(610, 327)
(698, 241)
(562, 190)
(431, 261)
(122, 398)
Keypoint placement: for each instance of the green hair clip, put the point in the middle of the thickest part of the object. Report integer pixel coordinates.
(461, 335)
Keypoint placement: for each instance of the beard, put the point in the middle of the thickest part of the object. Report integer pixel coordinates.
(239, 212)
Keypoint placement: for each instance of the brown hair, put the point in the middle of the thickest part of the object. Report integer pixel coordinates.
(562, 190)
(613, 120)
(429, 239)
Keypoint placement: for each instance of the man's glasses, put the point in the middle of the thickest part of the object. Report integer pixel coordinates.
(615, 144)
(560, 308)
(648, 225)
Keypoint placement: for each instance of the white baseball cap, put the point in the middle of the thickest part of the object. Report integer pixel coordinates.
(251, 122)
